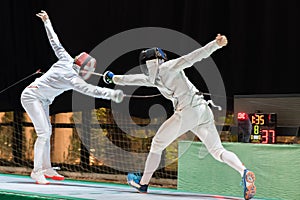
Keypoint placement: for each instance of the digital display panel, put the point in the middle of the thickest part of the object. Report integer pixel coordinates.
(263, 127)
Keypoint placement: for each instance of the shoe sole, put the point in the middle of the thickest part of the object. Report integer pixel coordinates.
(47, 183)
(135, 186)
(251, 188)
(56, 178)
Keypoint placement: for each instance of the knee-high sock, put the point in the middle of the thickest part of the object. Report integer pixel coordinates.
(233, 161)
(39, 151)
(46, 156)
(151, 165)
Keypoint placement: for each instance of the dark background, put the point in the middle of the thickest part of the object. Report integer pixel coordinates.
(261, 57)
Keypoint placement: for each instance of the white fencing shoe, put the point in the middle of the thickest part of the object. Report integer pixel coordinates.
(39, 177)
(51, 173)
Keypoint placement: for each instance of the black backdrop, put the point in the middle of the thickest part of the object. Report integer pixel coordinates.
(261, 57)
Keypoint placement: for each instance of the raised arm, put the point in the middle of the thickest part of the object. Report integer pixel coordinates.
(199, 54)
(58, 49)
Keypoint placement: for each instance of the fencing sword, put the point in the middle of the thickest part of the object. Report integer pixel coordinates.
(23, 79)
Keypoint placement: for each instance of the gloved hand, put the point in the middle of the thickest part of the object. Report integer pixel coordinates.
(107, 77)
(117, 96)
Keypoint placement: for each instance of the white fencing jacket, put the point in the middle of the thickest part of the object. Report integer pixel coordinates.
(63, 75)
(169, 77)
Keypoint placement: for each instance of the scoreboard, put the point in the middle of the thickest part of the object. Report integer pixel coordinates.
(263, 128)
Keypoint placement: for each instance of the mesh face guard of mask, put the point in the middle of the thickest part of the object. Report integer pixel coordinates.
(87, 65)
(149, 54)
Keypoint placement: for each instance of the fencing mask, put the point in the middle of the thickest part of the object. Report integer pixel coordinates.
(150, 54)
(87, 65)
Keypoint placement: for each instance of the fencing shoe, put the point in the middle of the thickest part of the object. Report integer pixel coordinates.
(248, 184)
(51, 173)
(133, 179)
(39, 177)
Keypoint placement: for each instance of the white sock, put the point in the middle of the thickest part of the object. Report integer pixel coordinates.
(39, 149)
(233, 161)
(151, 165)
(46, 156)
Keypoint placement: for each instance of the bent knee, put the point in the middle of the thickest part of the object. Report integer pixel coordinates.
(26, 98)
(43, 134)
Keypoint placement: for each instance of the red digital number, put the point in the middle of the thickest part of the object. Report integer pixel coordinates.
(266, 134)
(272, 132)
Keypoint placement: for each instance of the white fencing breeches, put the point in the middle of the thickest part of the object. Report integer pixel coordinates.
(200, 121)
(38, 111)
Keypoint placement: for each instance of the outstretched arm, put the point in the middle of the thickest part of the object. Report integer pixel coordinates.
(199, 54)
(131, 79)
(81, 86)
(59, 50)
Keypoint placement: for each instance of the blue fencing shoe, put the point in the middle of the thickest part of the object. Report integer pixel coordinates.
(248, 184)
(133, 179)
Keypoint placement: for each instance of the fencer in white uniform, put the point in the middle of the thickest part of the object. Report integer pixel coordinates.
(192, 112)
(62, 76)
